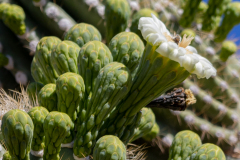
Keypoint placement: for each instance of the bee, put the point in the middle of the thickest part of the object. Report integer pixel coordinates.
(176, 38)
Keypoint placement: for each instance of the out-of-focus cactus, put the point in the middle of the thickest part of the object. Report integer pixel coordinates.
(82, 33)
(57, 126)
(127, 48)
(202, 8)
(231, 18)
(208, 151)
(145, 12)
(32, 90)
(38, 115)
(64, 57)
(109, 148)
(117, 15)
(213, 14)
(42, 61)
(47, 97)
(17, 128)
(3, 60)
(146, 124)
(228, 48)
(188, 32)
(13, 16)
(184, 143)
(152, 134)
(112, 85)
(190, 11)
(7, 156)
(93, 56)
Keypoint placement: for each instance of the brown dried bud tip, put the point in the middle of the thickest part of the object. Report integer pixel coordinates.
(178, 99)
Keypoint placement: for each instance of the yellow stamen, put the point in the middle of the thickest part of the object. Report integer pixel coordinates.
(169, 38)
(185, 41)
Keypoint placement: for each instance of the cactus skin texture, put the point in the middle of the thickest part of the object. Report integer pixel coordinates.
(57, 126)
(228, 48)
(17, 128)
(109, 148)
(82, 33)
(208, 151)
(127, 48)
(38, 114)
(93, 56)
(64, 57)
(112, 85)
(190, 11)
(7, 156)
(231, 18)
(188, 32)
(146, 124)
(152, 134)
(32, 90)
(47, 97)
(183, 145)
(212, 16)
(3, 60)
(13, 16)
(117, 15)
(42, 69)
(145, 12)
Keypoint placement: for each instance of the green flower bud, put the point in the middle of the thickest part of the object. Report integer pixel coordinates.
(153, 133)
(57, 126)
(42, 69)
(3, 7)
(183, 145)
(208, 151)
(17, 128)
(47, 97)
(109, 148)
(7, 156)
(228, 48)
(38, 114)
(82, 33)
(188, 32)
(33, 90)
(127, 48)
(64, 57)
(117, 15)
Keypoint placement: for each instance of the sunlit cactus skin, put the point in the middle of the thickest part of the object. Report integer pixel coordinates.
(145, 12)
(17, 128)
(42, 61)
(7, 156)
(213, 14)
(13, 16)
(112, 85)
(32, 90)
(47, 97)
(57, 126)
(109, 148)
(208, 151)
(117, 15)
(153, 133)
(146, 124)
(184, 143)
(82, 33)
(64, 57)
(38, 115)
(228, 48)
(93, 56)
(190, 11)
(231, 18)
(127, 48)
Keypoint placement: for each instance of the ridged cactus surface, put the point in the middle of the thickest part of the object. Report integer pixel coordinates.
(33, 90)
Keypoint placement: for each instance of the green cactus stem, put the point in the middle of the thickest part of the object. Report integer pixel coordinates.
(38, 114)
(17, 128)
(117, 15)
(47, 97)
(208, 151)
(112, 85)
(57, 126)
(64, 57)
(127, 48)
(183, 145)
(228, 48)
(190, 11)
(212, 16)
(42, 68)
(109, 148)
(153, 133)
(202, 8)
(33, 90)
(82, 33)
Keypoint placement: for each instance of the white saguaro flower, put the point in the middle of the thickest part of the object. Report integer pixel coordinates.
(172, 46)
